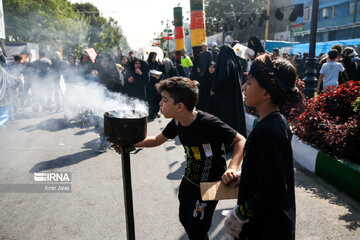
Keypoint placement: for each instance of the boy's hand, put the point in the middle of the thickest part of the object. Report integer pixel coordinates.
(234, 224)
(230, 176)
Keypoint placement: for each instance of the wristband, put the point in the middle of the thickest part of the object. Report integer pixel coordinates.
(243, 212)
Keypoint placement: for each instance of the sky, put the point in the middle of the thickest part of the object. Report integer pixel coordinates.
(140, 19)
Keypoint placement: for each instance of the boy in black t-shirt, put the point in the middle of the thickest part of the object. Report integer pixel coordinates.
(203, 137)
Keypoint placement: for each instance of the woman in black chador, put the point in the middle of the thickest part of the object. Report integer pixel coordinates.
(137, 78)
(85, 67)
(205, 86)
(153, 96)
(228, 99)
(254, 43)
(109, 74)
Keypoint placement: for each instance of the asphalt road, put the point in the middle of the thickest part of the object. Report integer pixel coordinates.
(94, 209)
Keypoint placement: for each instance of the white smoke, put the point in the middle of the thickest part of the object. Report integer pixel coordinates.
(94, 97)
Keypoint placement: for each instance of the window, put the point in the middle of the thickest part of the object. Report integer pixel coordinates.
(307, 14)
(352, 6)
(325, 13)
(333, 12)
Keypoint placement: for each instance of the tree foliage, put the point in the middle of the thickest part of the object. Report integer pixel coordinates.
(58, 23)
(230, 14)
(104, 34)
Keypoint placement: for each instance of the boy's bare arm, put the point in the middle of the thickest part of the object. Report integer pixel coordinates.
(152, 141)
(231, 174)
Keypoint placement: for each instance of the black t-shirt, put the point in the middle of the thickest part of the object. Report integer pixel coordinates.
(267, 180)
(203, 141)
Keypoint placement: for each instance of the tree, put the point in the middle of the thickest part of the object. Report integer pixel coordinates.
(105, 34)
(49, 23)
(237, 16)
(59, 24)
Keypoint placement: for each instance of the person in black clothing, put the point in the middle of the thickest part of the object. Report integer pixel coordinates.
(169, 69)
(40, 81)
(86, 67)
(205, 86)
(254, 43)
(109, 74)
(215, 52)
(205, 59)
(137, 78)
(202, 136)
(299, 65)
(153, 96)
(57, 68)
(119, 55)
(71, 72)
(266, 200)
(227, 98)
(125, 64)
(351, 66)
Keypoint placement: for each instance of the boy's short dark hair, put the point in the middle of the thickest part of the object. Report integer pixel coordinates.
(333, 53)
(181, 89)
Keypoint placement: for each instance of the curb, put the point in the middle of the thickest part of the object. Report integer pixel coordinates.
(342, 174)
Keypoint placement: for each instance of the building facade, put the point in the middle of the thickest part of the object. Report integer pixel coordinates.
(337, 20)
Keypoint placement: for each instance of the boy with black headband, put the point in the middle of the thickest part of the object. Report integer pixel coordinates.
(266, 201)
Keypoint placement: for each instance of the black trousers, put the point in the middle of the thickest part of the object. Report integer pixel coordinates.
(195, 215)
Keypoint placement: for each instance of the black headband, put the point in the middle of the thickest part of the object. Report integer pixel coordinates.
(264, 75)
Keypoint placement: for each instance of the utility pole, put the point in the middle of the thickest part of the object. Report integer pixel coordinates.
(167, 30)
(354, 19)
(310, 79)
(267, 20)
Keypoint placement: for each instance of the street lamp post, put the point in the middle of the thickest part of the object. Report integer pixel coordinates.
(167, 30)
(310, 78)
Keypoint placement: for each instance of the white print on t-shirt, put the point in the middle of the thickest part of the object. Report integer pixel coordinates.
(207, 150)
(199, 208)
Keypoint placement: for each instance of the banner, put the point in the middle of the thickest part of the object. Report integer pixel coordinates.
(92, 54)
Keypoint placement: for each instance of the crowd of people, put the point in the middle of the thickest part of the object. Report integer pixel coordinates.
(205, 96)
(36, 83)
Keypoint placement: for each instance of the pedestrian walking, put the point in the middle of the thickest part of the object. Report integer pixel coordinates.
(266, 202)
(330, 71)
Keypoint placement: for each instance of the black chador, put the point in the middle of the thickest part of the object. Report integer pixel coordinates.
(228, 99)
(153, 96)
(206, 84)
(136, 80)
(109, 74)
